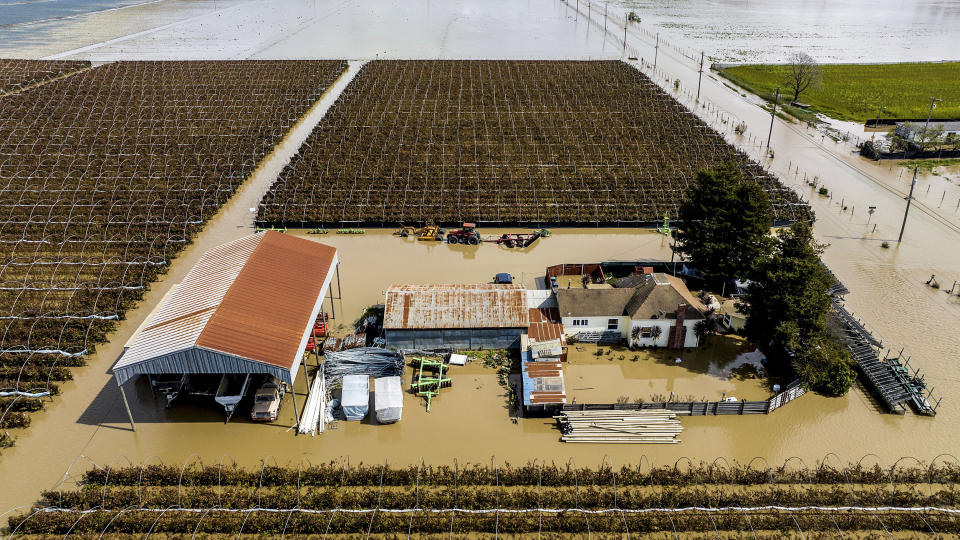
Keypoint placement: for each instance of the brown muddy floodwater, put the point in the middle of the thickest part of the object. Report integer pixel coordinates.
(469, 421)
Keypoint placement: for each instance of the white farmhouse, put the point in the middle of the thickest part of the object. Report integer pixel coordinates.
(660, 311)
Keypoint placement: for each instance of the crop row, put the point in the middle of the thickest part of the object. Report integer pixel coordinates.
(512, 497)
(17, 74)
(551, 474)
(107, 174)
(418, 522)
(502, 141)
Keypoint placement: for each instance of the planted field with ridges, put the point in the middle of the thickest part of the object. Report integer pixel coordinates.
(507, 142)
(19, 74)
(105, 176)
(706, 500)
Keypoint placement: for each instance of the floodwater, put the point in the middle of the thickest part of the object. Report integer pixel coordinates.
(742, 31)
(470, 421)
(284, 29)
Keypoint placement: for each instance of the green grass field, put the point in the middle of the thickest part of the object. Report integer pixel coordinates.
(857, 91)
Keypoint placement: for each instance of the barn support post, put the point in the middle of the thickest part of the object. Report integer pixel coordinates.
(123, 396)
(306, 376)
(293, 397)
(333, 309)
(339, 289)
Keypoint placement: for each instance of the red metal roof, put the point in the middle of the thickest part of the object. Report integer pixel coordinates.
(251, 298)
(265, 312)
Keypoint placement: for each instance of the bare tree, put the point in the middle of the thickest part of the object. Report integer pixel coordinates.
(804, 72)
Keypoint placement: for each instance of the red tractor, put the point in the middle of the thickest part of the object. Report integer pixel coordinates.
(466, 235)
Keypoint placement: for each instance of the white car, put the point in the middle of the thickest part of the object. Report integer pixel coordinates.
(266, 401)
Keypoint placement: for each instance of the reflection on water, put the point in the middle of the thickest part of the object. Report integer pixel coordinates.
(769, 31)
(284, 29)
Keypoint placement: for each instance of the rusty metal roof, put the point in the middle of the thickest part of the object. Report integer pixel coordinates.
(253, 298)
(456, 306)
(545, 324)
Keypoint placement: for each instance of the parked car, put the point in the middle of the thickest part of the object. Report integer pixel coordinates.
(266, 400)
(503, 278)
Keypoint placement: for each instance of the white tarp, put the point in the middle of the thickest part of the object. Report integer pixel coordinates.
(355, 398)
(388, 399)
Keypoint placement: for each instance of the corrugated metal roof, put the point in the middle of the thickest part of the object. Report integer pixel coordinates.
(456, 306)
(545, 324)
(542, 381)
(270, 305)
(252, 298)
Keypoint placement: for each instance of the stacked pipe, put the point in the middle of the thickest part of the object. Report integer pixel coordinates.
(648, 427)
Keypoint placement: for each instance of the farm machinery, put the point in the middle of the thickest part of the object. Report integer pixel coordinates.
(428, 232)
(512, 240)
(466, 235)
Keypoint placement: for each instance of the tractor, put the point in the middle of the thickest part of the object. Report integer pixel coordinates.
(466, 235)
(429, 232)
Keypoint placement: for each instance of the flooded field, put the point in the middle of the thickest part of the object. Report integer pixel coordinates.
(470, 421)
(214, 29)
(759, 32)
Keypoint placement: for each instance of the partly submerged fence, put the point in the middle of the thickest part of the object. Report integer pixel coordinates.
(701, 408)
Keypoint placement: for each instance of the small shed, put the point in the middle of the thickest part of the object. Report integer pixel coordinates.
(355, 396)
(388, 399)
(482, 316)
(544, 392)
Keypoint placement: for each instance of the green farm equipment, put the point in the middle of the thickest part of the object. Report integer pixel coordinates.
(665, 228)
(428, 385)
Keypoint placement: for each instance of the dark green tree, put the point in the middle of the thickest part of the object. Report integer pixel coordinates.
(824, 365)
(787, 305)
(725, 223)
(787, 301)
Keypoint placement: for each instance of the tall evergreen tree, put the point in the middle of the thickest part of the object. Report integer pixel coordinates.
(787, 305)
(725, 223)
(788, 299)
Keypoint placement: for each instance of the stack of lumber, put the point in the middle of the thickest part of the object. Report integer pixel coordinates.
(649, 427)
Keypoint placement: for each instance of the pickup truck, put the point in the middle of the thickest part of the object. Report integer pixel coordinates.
(266, 401)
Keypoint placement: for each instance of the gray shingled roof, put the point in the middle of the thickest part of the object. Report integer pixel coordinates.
(656, 297)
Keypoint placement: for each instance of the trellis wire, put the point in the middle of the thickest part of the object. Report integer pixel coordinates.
(98, 193)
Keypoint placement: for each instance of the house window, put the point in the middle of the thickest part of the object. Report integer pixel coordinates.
(613, 324)
(579, 322)
(646, 331)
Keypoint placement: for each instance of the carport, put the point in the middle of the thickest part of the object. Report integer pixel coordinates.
(247, 307)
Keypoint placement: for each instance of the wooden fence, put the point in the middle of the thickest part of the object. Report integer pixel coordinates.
(701, 408)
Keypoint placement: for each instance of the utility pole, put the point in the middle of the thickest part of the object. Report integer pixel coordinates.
(656, 49)
(773, 114)
(700, 77)
(625, 23)
(933, 105)
(909, 200)
(876, 123)
(604, 21)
